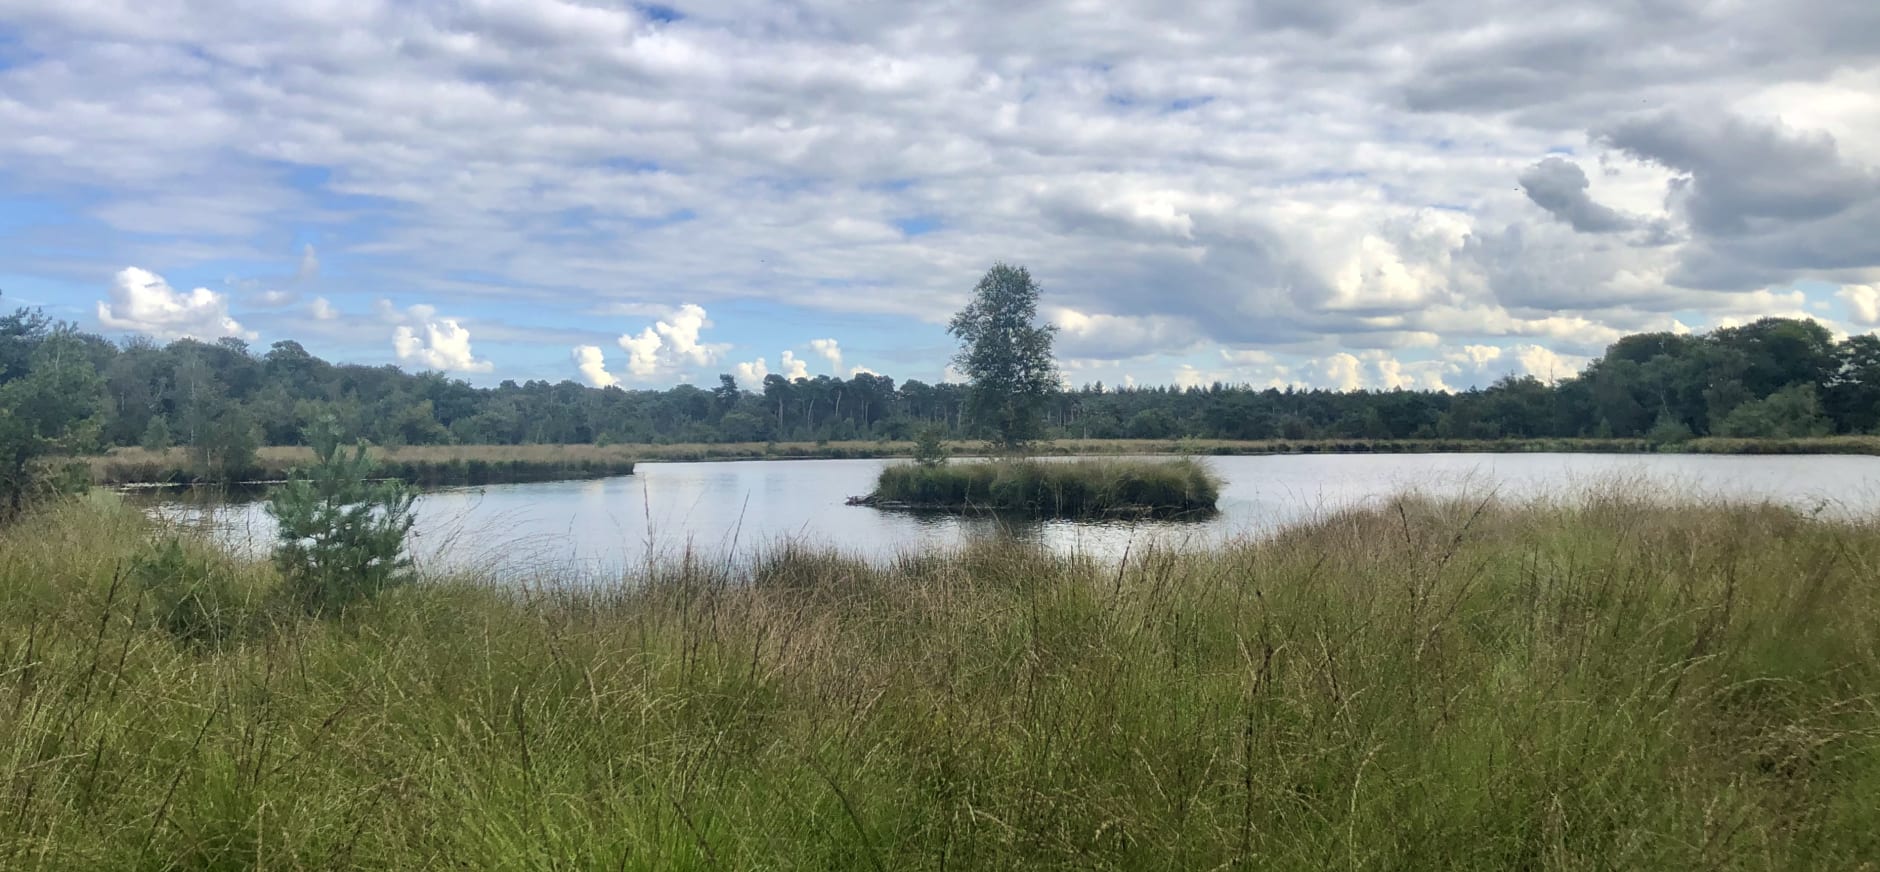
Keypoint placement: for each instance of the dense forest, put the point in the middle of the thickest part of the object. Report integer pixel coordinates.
(1770, 378)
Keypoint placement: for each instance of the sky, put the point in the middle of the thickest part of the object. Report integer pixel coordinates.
(1297, 192)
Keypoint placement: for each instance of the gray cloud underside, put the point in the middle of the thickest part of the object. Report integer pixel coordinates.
(1299, 174)
(1559, 186)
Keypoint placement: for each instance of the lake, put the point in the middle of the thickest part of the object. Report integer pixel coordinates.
(596, 528)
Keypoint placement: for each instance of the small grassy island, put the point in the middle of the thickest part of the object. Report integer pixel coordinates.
(1059, 489)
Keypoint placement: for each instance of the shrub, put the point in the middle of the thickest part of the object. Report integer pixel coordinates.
(1668, 431)
(929, 450)
(341, 537)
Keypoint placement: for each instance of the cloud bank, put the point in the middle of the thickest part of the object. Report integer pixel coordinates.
(1312, 180)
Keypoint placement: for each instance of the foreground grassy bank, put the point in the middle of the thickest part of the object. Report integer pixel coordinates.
(419, 465)
(1614, 684)
(1091, 488)
(484, 464)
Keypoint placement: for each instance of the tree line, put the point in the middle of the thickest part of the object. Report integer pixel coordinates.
(67, 391)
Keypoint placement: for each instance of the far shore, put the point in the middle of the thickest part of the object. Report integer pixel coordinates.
(495, 464)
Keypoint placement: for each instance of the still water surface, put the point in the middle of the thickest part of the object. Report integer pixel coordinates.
(595, 529)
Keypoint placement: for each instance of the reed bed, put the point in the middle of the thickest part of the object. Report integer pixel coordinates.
(1060, 489)
(1601, 682)
(420, 465)
(1811, 445)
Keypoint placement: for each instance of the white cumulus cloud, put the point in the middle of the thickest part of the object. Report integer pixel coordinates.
(1339, 372)
(1546, 364)
(642, 352)
(593, 366)
(1863, 301)
(681, 334)
(830, 349)
(142, 302)
(672, 342)
(793, 368)
(751, 375)
(441, 344)
(1477, 356)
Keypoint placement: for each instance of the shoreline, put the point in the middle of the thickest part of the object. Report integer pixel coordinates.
(444, 465)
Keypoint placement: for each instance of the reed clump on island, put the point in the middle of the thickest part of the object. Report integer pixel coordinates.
(1090, 488)
(1611, 682)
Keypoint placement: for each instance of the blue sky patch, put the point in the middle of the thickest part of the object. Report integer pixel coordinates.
(918, 225)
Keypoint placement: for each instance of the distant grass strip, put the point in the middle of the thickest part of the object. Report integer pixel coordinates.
(857, 449)
(420, 465)
(1600, 683)
(1813, 445)
(490, 464)
(1056, 489)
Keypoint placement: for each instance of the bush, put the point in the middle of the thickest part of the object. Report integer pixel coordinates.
(342, 538)
(156, 436)
(1668, 431)
(71, 477)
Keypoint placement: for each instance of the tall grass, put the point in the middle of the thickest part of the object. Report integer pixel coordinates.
(1604, 683)
(1080, 488)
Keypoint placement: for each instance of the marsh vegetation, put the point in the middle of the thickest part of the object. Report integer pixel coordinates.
(1606, 681)
(420, 465)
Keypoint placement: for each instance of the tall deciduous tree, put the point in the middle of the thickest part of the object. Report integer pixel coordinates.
(1006, 356)
(49, 396)
(1854, 395)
